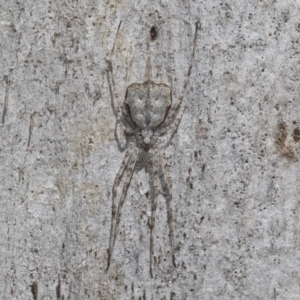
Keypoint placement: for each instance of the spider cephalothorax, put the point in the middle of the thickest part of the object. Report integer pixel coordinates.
(148, 113)
(146, 138)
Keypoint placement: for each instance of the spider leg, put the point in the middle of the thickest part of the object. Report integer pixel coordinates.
(129, 174)
(186, 81)
(126, 170)
(116, 102)
(172, 127)
(111, 74)
(166, 169)
(154, 205)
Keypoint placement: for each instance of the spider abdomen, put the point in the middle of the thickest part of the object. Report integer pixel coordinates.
(148, 103)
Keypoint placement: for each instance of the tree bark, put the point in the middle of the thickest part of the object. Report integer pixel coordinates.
(234, 161)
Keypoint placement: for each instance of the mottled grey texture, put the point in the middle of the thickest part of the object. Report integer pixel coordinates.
(235, 158)
(148, 103)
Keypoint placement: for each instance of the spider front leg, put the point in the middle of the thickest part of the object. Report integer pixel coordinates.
(172, 127)
(126, 170)
(112, 86)
(174, 108)
(116, 102)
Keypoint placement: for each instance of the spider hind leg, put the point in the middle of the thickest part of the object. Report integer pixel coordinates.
(126, 171)
(169, 196)
(154, 205)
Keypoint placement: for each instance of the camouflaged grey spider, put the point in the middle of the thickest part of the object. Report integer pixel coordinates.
(149, 113)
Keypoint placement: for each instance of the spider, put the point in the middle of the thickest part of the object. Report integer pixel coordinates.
(149, 113)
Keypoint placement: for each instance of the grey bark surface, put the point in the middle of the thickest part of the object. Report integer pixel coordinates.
(234, 160)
